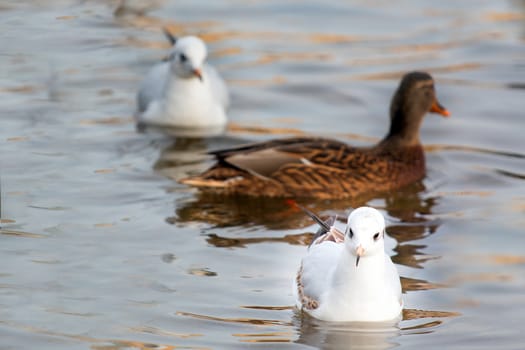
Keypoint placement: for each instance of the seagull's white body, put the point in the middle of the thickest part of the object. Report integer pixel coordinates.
(188, 95)
(330, 286)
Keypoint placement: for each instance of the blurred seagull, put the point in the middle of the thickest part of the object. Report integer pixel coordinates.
(348, 276)
(184, 93)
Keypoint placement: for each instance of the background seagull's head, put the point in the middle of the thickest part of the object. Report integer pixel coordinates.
(187, 57)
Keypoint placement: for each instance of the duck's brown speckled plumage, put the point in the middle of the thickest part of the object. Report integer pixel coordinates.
(329, 169)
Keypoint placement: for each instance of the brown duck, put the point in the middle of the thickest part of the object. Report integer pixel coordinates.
(329, 169)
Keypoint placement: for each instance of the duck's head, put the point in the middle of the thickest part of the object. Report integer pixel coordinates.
(187, 57)
(414, 97)
(365, 232)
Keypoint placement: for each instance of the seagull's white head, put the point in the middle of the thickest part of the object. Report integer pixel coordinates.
(365, 232)
(187, 57)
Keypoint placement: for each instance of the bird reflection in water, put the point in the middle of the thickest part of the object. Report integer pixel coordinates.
(353, 335)
(363, 335)
(182, 156)
(187, 154)
(409, 213)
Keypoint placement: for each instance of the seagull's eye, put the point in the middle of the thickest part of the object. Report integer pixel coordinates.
(376, 236)
(183, 58)
(350, 233)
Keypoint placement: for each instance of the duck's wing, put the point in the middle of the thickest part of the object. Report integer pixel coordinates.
(265, 158)
(278, 144)
(152, 87)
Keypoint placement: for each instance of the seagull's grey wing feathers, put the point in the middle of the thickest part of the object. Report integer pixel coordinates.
(318, 268)
(322, 229)
(152, 87)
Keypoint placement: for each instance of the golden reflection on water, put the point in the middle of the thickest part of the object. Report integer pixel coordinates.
(413, 284)
(253, 321)
(203, 272)
(504, 259)
(412, 314)
(269, 308)
(274, 337)
(395, 75)
(158, 331)
(411, 255)
(115, 120)
(273, 213)
(240, 242)
(112, 344)
(20, 233)
(504, 16)
(25, 89)
(218, 34)
(147, 44)
(18, 139)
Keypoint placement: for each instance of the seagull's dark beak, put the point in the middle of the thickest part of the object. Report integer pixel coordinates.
(359, 251)
(198, 73)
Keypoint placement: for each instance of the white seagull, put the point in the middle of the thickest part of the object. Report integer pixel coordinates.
(349, 277)
(184, 93)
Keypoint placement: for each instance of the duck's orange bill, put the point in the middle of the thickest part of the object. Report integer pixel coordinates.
(438, 108)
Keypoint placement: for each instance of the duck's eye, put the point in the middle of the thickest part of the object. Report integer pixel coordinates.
(350, 233)
(183, 58)
(376, 236)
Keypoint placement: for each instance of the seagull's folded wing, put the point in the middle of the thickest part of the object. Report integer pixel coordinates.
(318, 268)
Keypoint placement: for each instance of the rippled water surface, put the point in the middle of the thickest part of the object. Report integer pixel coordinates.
(102, 249)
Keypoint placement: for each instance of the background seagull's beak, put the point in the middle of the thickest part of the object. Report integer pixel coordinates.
(360, 251)
(197, 72)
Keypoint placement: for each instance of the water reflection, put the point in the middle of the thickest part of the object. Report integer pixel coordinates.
(137, 8)
(188, 155)
(230, 211)
(180, 157)
(199, 132)
(327, 335)
(362, 335)
(240, 242)
(410, 209)
(253, 321)
(409, 212)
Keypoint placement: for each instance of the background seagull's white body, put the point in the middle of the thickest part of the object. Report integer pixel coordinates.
(330, 285)
(185, 94)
